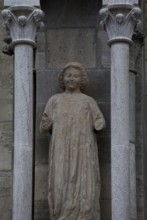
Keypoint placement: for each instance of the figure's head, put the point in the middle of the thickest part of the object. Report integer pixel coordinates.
(73, 68)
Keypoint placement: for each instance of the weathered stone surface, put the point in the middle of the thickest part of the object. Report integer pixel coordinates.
(105, 173)
(6, 110)
(41, 41)
(66, 45)
(5, 208)
(73, 13)
(5, 184)
(5, 195)
(6, 135)
(104, 147)
(41, 211)
(99, 84)
(41, 151)
(40, 61)
(103, 56)
(5, 158)
(41, 182)
(105, 212)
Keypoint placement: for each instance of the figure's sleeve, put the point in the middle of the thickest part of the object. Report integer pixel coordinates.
(46, 122)
(98, 119)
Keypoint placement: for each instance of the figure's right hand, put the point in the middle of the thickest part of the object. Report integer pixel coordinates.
(45, 123)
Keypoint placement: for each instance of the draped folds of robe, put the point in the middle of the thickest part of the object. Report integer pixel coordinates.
(73, 178)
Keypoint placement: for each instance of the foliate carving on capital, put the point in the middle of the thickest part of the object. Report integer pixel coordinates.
(22, 27)
(120, 22)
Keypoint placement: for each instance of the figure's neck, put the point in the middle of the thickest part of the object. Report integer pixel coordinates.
(77, 91)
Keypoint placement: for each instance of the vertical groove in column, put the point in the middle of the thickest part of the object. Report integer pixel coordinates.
(133, 204)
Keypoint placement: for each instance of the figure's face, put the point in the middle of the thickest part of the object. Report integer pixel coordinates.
(72, 79)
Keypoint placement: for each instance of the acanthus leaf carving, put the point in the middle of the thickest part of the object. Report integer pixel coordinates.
(21, 27)
(120, 21)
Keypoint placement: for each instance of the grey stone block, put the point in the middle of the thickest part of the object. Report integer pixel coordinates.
(103, 49)
(46, 85)
(99, 84)
(41, 151)
(5, 208)
(140, 208)
(41, 182)
(40, 61)
(41, 41)
(104, 147)
(73, 13)
(5, 158)
(105, 174)
(5, 195)
(5, 184)
(105, 207)
(66, 45)
(6, 111)
(41, 211)
(6, 135)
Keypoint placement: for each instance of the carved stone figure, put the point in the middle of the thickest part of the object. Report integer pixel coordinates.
(73, 179)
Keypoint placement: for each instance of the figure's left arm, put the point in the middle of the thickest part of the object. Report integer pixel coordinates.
(98, 118)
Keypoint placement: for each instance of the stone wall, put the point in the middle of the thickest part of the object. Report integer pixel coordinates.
(6, 129)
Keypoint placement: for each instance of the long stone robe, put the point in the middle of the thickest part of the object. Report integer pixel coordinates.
(73, 178)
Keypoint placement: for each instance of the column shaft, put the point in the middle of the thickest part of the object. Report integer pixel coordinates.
(23, 133)
(120, 152)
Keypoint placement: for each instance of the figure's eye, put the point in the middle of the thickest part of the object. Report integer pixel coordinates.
(68, 74)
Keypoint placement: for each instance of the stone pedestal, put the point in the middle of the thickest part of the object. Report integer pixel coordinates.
(120, 21)
(22, 23)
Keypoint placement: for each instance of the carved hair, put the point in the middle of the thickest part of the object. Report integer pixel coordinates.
(78, 66)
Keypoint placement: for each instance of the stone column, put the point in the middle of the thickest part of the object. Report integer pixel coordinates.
(22, 22)
(120, 20)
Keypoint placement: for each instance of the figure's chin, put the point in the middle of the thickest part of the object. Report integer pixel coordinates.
(71, 88)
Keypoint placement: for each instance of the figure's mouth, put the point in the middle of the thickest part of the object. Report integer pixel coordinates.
(71, 82)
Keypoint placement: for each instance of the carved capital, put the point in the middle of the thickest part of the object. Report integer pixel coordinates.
(22, 23)
(120, 22)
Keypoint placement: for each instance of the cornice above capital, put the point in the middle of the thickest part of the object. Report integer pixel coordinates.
(22, 23)
(120, 21)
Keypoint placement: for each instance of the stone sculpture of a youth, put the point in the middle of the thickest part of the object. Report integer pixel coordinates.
(73, 178)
